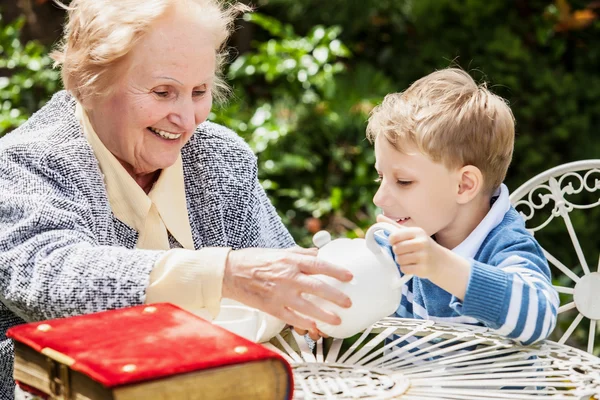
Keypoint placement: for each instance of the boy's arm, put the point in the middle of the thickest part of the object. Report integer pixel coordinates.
(512, 293)
(453, 272)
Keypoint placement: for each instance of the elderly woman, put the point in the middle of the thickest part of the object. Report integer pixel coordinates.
(119, 192)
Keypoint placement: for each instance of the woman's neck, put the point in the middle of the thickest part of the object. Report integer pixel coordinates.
(145, 180)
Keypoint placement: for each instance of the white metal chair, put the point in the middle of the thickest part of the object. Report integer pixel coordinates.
(547, 201)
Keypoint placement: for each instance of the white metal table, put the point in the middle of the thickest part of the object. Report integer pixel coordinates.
(429, 360)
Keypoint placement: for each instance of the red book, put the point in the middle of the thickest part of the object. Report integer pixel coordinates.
(156, 351)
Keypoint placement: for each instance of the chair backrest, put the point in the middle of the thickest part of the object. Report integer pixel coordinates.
(565, 193)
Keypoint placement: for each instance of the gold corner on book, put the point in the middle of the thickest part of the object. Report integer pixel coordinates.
(59, 377)
(58, 356)
(39, 371)
(59, 374)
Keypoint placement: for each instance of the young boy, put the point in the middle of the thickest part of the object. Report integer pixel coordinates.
(442, 150)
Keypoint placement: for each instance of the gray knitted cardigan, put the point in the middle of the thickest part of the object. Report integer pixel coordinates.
(62, 251)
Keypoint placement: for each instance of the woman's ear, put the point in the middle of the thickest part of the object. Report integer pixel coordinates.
(470, 183)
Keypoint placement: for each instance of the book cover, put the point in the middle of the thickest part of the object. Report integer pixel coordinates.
(149, 344)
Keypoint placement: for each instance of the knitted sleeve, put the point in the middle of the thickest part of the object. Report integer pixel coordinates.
(52, 261)
(511, 292)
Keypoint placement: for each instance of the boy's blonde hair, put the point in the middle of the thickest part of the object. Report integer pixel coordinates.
(100, 33)
(451, 119)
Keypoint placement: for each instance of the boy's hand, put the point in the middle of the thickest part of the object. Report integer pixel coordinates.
(416, 253)
(419, 255)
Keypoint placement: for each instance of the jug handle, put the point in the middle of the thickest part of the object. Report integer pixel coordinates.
(376, 249)
(370, 236)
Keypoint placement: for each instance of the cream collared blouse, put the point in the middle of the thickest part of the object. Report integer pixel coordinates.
(188, 278)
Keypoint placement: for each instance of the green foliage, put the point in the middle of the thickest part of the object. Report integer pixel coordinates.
(303, 112)
(30, 78)
(548, 75)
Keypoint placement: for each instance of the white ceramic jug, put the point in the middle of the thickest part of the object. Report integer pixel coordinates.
(376, 288)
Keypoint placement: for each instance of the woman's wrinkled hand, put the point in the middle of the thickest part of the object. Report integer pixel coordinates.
(275, 280)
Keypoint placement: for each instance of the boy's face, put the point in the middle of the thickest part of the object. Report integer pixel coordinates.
(414, 190)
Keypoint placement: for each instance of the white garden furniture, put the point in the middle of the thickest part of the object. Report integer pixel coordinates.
(552, 196)
(431, 360)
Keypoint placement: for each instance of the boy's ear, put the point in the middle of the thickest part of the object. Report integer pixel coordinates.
(470, 183)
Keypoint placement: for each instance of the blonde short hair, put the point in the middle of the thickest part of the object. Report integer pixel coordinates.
(100, 33)
(452, 120)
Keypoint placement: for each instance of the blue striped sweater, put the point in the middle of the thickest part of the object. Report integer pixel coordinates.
(509, 288)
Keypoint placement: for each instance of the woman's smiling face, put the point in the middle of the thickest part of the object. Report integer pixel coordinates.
(162, 95)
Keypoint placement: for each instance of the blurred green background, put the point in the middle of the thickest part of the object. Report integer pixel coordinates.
(306, 74)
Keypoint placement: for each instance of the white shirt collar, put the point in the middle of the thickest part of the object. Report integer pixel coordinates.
(469, 247)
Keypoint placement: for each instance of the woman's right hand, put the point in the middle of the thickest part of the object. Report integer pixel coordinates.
(274, 281)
